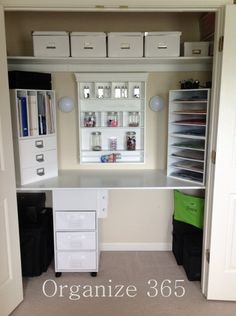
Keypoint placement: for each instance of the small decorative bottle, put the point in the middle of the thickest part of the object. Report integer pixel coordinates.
(136, 92)
(86, 92)
(107, 92)
(100, 92)
(96, 141)
(117, 92)
(112, 119)
(112, 145)
(89, 119)
(131, 140)
(124, 92)
(133, 119)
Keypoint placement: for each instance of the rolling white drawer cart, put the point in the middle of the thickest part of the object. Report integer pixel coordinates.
(75, 216)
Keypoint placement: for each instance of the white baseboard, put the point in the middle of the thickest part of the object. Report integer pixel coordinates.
(136, 246)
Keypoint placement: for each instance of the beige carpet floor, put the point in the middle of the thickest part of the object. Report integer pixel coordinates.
(138, 273)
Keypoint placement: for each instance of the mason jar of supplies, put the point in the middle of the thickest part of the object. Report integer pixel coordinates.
(131, 140)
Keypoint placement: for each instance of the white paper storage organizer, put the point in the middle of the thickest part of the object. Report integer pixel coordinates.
(131, 99)
(34, 132)
(187, 134)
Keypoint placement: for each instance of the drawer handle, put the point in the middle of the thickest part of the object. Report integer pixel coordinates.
(39, 158)
(125, 46)
(88, 46)
(162, 46)
(40, 172)
(196, 51)
(39, 144)
(51, 47)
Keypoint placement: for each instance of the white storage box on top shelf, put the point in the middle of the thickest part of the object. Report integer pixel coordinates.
(187, 134)
(112, 117)
(51, 44)
(125, 44)
(192, 49)
(88, 44)
(162, 44)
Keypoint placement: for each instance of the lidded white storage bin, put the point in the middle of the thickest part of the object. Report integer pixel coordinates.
(51, 44)
(158, 44)
(196, 49)
(88, 44)
(125, 44)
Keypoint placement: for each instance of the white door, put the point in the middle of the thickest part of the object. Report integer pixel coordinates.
(222, 264)
(11, 293)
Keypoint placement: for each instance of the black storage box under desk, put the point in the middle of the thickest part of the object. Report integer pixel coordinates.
(192, 257)
(180, 231)
(36, 233)
(177, 247)
(36, 244)
(184, 228)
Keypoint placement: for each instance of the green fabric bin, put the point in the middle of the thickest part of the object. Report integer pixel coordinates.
(188, 209)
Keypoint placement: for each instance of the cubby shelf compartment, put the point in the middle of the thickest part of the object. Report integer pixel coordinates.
(187, 134)
(101, 95)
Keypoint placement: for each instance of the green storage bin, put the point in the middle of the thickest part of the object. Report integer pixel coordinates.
(188, 209)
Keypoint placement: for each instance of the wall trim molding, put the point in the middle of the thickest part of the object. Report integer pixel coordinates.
(149, 246)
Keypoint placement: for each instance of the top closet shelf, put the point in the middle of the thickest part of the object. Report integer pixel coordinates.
(109, 64)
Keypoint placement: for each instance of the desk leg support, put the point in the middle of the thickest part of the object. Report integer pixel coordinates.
(57, 274)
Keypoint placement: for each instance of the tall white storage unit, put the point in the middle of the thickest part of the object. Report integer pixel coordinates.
(102, 94)
(187, 134)
(34, 131)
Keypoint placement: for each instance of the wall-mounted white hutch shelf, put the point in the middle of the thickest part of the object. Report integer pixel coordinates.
(112, 117)
(72, 64)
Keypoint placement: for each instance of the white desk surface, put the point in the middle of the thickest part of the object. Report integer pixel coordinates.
(110, 179)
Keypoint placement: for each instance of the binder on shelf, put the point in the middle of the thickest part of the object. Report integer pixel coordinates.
(41, 114)
(23, 116)
(50, 129)
(20, 133)
(33, 115)
(51, 111)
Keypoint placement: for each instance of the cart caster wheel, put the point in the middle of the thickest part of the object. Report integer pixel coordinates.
(57, 274)
(93, 274)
